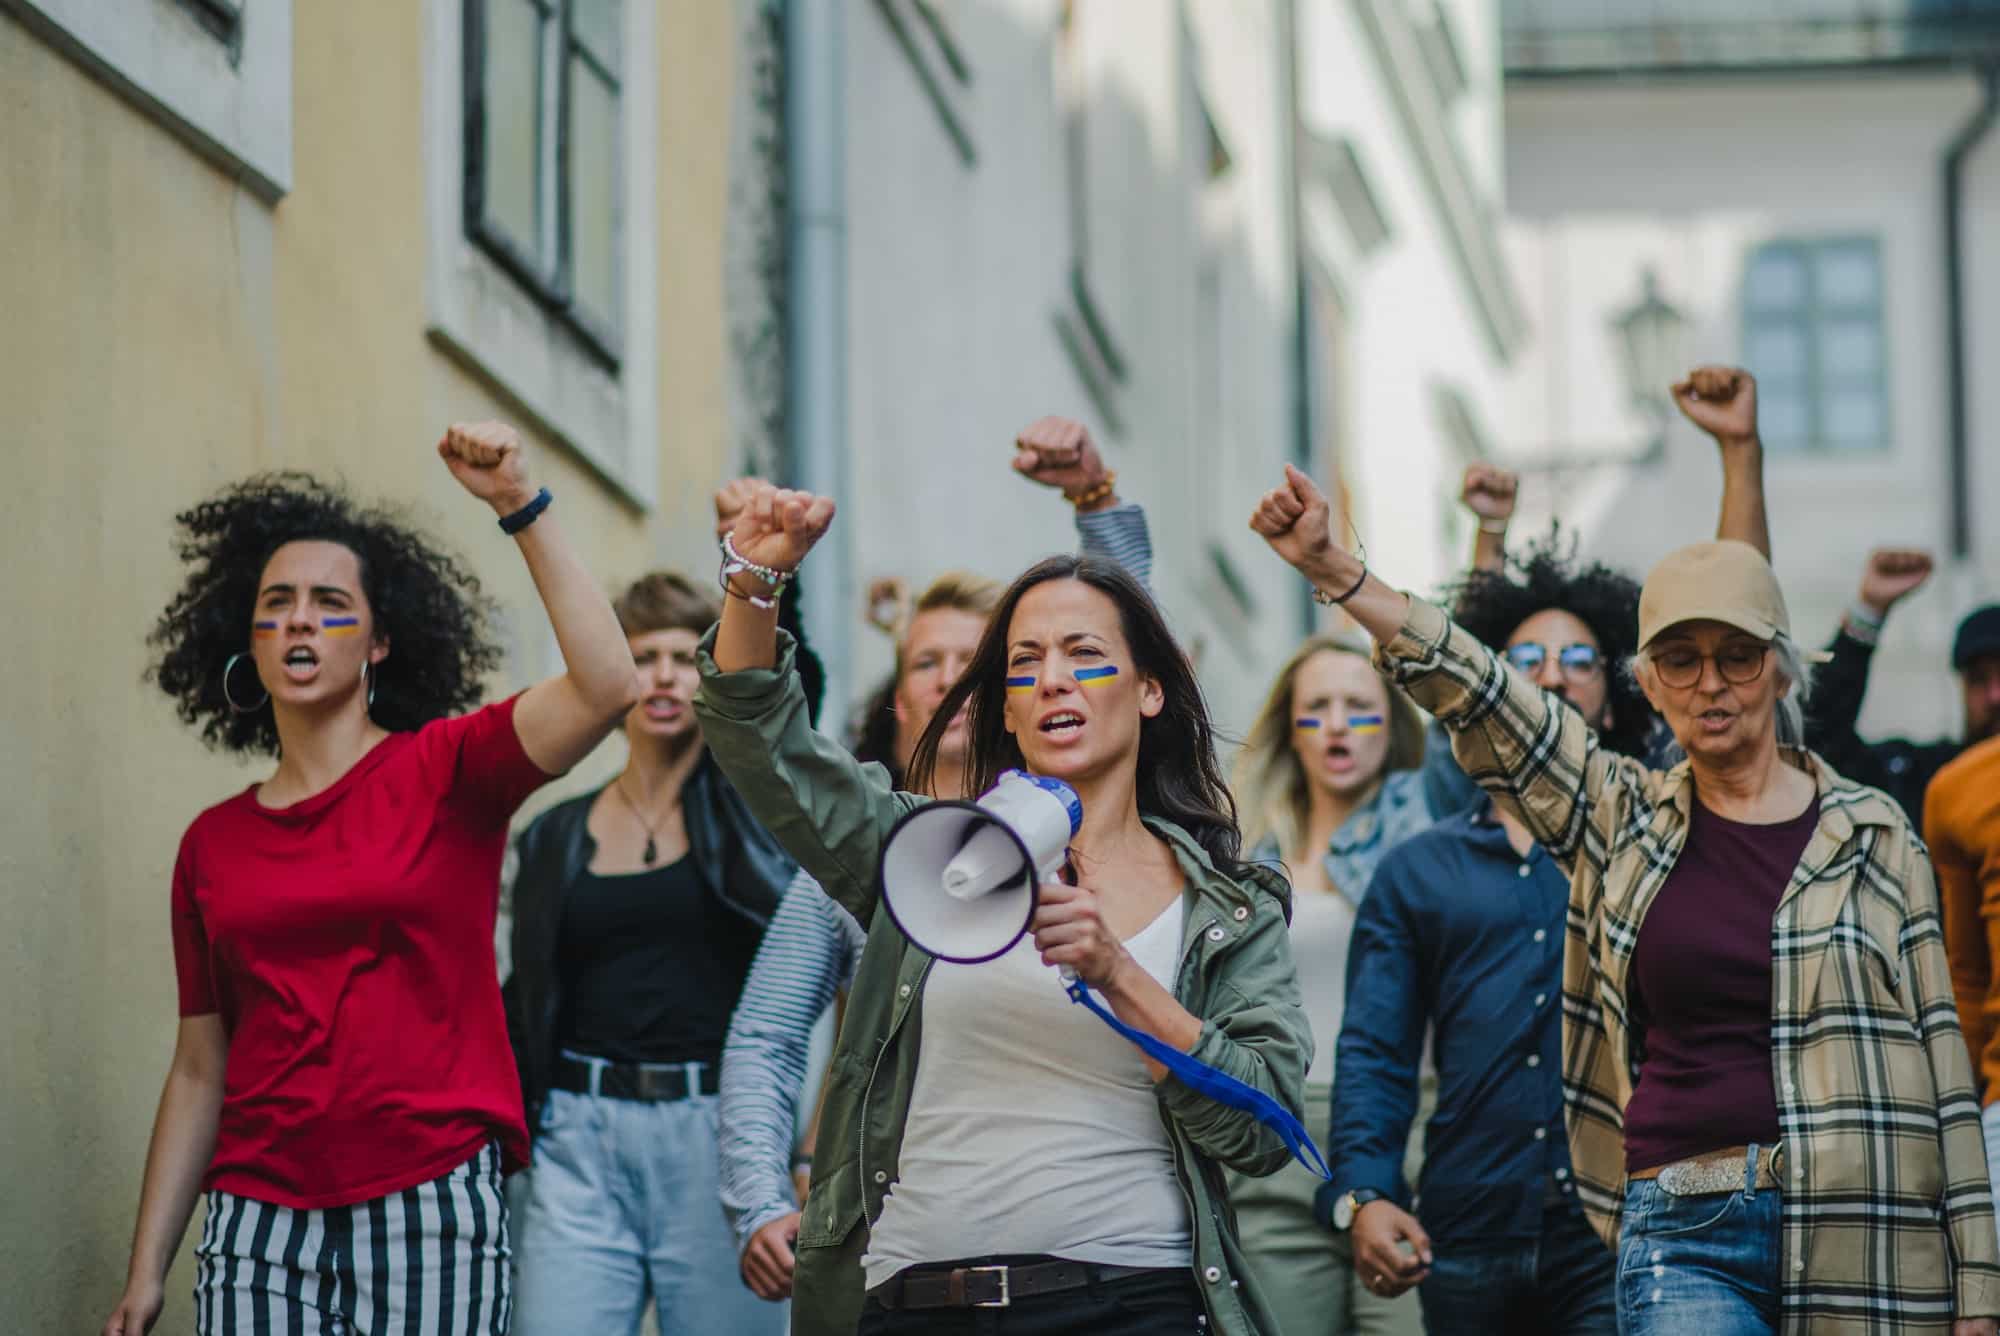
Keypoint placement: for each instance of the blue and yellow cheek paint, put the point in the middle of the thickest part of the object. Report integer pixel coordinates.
(1095, 677)
(1356, 723)
(340, 626)
(1017, 685)
(263, 630)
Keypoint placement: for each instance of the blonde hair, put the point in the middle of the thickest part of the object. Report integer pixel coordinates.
(1272, 790)
(961, 591)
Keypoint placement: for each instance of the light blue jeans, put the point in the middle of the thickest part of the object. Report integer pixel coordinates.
(1706, 1265)
(622, 1205)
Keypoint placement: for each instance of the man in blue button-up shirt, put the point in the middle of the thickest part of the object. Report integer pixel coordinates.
(1461, 933)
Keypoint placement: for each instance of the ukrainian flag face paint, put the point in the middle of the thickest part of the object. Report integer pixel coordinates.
(1306, 724)
(340, 626)
(1365, 723)
(1020, 686)
(263, 630)
(1095, 677)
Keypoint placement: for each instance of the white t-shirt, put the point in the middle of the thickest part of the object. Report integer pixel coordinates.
(1033, 1127)
(1322, 927)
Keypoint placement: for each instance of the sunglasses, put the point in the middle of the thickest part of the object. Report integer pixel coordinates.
(1579, 663)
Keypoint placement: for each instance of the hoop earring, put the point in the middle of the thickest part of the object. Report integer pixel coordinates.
(227, 668)
(369, 702)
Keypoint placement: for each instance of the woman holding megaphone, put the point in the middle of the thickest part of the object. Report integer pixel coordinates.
(985, 1144)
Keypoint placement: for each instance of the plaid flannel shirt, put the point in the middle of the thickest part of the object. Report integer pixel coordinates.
(1888, 1222)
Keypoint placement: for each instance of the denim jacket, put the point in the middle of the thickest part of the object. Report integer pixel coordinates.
(1235, 974)
(1399, 809)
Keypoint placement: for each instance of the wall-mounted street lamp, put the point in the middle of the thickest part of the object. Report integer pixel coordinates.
(1650, 337)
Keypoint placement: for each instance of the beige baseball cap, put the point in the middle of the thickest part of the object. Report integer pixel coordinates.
(1718, 581)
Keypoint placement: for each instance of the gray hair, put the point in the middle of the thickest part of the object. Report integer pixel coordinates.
(1793, 667)
(1791, 707)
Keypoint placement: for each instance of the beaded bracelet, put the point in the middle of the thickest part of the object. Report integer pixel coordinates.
(1094, 493)
(735, 563)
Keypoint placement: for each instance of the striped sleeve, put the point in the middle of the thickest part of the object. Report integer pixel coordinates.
(1121, 534)
(807, 953)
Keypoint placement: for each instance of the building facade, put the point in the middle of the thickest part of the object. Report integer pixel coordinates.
(1227, 234)
(1815, 198)
(853, 246)
(241, 239)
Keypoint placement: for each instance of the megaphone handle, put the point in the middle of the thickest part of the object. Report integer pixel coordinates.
(1066, 874)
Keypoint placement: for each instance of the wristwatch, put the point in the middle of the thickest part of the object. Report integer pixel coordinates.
(1349, 1206)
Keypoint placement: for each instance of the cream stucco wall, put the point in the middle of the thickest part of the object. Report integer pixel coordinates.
(162, 331)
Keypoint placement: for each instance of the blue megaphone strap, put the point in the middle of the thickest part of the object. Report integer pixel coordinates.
(1218, 1085)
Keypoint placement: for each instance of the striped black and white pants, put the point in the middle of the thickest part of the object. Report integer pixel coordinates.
(430, 1261)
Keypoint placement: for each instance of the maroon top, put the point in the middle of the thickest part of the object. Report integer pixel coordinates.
(1701, 987)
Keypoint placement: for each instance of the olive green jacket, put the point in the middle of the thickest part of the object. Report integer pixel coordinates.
(833, 813)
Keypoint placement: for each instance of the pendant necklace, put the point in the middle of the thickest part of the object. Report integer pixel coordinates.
(652, 850)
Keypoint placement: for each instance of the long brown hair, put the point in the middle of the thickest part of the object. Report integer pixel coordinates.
(1179, 778)
(1275, 793)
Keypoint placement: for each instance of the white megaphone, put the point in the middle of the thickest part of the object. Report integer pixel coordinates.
(961, 879)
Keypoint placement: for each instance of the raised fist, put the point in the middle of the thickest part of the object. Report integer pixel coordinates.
(1488, 491)
(729, 502)
(487, 460)
(1297, 521)
(1722, 401)
(1058, 452)
(1891, 575)
(777, 526)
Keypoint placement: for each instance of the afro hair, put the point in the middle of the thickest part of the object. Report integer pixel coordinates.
(425, 604)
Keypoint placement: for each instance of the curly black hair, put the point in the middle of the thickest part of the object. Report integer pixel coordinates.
(1491, 604)
(425, 603)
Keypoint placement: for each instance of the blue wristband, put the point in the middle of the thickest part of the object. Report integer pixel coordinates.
(526, 515)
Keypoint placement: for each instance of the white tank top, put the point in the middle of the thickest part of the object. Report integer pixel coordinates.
(1033, 1127)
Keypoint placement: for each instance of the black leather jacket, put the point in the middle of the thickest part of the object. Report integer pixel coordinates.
(737, 859)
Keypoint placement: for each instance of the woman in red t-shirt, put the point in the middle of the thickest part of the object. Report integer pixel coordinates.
(342, 1088)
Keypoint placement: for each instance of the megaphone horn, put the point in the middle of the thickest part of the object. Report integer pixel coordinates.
(961, 879)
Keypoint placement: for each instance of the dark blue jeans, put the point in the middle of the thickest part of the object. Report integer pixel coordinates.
(1705, 1264)
(1560, 1284)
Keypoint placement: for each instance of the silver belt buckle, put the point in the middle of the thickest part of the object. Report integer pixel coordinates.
(1691, 1178)
(1006, 1298)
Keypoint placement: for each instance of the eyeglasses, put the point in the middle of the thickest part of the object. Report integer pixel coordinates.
(1579, 663)
(1739, 662)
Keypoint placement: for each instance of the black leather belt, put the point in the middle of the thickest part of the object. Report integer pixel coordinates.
(993, 1286)
(651, 1081)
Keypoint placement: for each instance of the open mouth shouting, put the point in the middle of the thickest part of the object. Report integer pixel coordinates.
(662, 709)
(1715, 719)
(1338, 758)
(1061, 724)
(301, 663)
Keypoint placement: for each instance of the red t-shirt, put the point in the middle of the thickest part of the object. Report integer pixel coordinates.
(347, 942)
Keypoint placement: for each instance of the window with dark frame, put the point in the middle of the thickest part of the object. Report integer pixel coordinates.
(1813, 335)
(543, 155)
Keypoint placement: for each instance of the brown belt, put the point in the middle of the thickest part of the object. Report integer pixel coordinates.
(1717, 1171)
(992, 1286)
